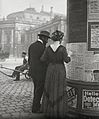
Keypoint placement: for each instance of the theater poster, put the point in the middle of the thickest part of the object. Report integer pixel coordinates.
(71, 97)
(90, 99)
(93, 36)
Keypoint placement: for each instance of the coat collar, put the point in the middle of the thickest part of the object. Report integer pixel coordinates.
(40, 40)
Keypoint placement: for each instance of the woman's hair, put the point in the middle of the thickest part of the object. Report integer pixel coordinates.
(57, 35)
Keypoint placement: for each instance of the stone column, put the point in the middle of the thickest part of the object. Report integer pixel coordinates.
(3, 39)
(63, 28)
(0, 8)
(11, 43)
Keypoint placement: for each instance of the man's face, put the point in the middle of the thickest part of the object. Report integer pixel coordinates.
(45, 39)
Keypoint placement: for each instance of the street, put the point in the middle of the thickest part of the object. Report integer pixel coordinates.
(15, 96)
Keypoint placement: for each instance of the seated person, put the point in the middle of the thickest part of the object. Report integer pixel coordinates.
(20, 68)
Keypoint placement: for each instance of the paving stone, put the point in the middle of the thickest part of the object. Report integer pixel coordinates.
(5, 115)
(16, 97)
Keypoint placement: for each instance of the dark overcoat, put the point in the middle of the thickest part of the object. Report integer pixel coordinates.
(37, 68)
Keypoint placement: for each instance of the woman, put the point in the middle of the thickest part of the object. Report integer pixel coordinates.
(54, 101)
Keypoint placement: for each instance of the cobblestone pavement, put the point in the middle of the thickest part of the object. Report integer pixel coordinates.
(16, 98)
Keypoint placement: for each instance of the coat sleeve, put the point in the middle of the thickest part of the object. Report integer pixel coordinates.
(66, 58)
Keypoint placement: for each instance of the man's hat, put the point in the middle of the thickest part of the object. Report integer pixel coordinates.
(24, 53)
(44, 33)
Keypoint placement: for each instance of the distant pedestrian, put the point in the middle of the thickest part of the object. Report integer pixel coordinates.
(54, 93)
(37, 69)
(21, 68)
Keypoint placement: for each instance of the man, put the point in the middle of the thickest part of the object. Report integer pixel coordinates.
(37, 69)
(20, 68)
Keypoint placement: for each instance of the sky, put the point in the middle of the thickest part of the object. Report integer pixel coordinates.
(10, 6)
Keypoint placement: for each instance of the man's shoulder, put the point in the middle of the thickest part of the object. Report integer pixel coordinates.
(37, 43)
(33, 43)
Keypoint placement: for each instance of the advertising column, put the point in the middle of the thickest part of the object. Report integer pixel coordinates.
(83, 45)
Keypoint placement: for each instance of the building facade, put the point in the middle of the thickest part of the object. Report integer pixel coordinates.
(14, 29)
(57, 23)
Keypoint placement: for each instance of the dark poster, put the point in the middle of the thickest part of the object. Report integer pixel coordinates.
(77, 21)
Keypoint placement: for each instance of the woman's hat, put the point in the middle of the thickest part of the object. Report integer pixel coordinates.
(44, 33)
(57, 35)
